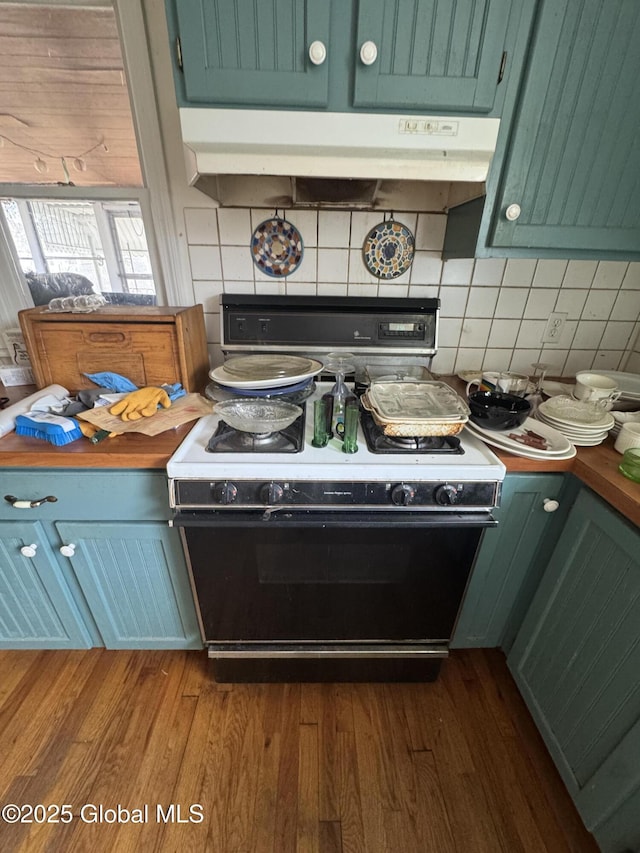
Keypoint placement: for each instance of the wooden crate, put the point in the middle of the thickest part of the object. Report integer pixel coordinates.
(148, 345)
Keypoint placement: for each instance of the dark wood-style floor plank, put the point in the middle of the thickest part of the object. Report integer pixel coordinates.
(455, 766)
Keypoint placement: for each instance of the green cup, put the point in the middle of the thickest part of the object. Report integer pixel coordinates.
(630, 465)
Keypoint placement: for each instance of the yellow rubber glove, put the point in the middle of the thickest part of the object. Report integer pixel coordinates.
(141, 403)
(92, 432)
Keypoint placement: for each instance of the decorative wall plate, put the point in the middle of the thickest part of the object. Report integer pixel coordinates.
(277, 247)
(388, 249)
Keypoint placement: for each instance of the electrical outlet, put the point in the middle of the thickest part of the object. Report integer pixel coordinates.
(555, 325)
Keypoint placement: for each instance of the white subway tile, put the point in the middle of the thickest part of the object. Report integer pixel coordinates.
(627, 305)
(610, 274)
(306, 221)
(395, 290)
(598, 305)
(579, 359)
(579, 274)
(475, 333)
(205, 262)
(362, 290)
(511, 302)
(426, 268)
(571, 302)
(449, 332)
(430, 231)
(331, 289)
(301, 288)
(469, 358)
(457, 271)
(273, 287)
(549, 273)
(503, 333)
(540, 304)
(424, 291)
(333, 265)
(530, 334)
(444, 361)
(235, 226)
(617, 335)
(497, 358)
(607, 360)
(237, 263)
(239, 287)
(519, 272)
(208, 294)
(334, 229)
(453, 301)
(212, 328)
(482, 301)
(307, 268)
(522, 360)
(632, 278)
(555, 360)
(361, 223)
(588, 334)
(358, 273)
(201, 224)
(488, 271)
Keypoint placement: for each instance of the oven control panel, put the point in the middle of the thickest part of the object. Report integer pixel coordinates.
(302, 494)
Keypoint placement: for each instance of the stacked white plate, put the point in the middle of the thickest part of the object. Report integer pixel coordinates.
(548, 442)
(584, 424)
(622, 418)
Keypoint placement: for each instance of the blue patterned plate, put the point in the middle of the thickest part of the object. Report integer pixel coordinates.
(388, 249)
(276, 247)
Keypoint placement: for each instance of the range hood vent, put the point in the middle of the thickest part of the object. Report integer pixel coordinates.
(332, 159)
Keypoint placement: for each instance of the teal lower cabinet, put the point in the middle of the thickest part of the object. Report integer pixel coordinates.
(512, 558)
(96, 564)
(37, 607)
(576, 661)
(134, 579)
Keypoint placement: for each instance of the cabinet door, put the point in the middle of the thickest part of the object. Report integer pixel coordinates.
(244, 53)
(135, 580)
(37, 610)
(511, 561)
(573, 159)
(430, 55)
(576, 659)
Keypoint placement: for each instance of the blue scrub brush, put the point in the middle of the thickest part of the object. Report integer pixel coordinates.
(52, 428)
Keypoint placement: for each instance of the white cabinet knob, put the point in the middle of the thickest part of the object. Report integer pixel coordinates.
(317, 52)
(28, 550)
(513, 212)
(68, 550)
(549, 505)
(368, 53)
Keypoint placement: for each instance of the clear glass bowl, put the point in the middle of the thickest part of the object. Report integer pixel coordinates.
(257, 415)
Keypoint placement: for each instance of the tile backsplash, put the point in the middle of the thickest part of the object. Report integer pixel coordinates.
(493, 313)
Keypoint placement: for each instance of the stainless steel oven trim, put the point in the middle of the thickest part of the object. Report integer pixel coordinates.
(408, 651)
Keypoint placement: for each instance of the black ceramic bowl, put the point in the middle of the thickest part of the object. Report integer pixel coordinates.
(497, 411)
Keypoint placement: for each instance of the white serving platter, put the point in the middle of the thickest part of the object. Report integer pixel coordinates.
(560, 446)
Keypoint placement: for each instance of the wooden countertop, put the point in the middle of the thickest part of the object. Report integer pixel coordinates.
(597, 467)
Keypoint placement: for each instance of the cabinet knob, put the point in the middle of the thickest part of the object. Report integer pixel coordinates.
(368, 53)
(513, 212)
(317, 52)
(549, 505)
(28, 550)
(68, 550)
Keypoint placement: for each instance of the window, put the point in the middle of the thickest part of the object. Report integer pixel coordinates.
(68, 248)
(74, 198)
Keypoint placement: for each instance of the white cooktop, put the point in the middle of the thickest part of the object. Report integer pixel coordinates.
(191, 459)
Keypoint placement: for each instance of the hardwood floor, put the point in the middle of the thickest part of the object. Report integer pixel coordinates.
(455, 766)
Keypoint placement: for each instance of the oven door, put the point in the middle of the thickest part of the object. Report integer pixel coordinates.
(305, 581)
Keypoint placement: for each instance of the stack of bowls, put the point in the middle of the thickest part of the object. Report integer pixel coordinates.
(585, 424)
(497, 411)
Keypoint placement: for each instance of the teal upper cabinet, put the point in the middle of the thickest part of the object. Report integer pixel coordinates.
(570, 179)
(347, 55)
(243, 52)
(425, 55)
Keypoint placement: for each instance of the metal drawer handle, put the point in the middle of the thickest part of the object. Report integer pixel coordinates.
(18, 503)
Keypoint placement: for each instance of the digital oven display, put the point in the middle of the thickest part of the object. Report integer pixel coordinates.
(401, 330)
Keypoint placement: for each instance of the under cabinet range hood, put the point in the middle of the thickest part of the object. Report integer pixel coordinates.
(333, 158)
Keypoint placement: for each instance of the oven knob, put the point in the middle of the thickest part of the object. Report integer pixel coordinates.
(225, 493)
(402, 495)
(271, 493)
(446, 495)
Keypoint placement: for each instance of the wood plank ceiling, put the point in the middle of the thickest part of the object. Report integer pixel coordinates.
(63, 95)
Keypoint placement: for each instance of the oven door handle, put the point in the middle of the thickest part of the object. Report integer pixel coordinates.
(341, 518)
(245, 651)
